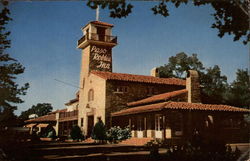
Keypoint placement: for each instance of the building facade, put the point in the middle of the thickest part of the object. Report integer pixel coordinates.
(153, 107)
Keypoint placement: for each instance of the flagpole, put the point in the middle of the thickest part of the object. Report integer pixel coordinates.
(97, 13)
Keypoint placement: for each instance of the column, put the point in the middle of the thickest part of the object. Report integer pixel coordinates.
(164, 127)
(57, 124)
(145, 127)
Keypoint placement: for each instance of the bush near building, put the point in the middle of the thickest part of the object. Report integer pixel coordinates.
(194, 150)
(76, 133)
(99, 131)
(116, 134)
(113, 135)
(49, 132)
(212, 151)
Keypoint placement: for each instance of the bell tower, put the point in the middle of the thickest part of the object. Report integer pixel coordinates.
(96, 44)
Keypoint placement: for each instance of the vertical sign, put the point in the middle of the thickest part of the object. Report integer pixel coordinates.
(100, 58)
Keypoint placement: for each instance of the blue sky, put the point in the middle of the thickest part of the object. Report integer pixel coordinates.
(44, 36)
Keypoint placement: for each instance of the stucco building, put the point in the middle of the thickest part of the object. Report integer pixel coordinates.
(153, 107)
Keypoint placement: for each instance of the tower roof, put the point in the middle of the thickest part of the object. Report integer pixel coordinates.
(99, 23)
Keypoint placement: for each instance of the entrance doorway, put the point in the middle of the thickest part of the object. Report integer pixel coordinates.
(90, 125)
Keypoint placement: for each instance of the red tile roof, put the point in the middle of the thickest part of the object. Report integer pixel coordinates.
(140, 109)
(179, 106)
(45, 118)
(101, 23)
(139, 78)
(159, 97)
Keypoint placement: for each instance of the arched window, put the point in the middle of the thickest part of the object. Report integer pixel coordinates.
(91, 95)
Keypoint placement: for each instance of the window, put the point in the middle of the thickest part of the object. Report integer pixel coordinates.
(231, 123)
(81, 122)
(209, 121)
(87, 33)
(101, 33)
(91, 95)
(140, 124)
(167, 122)
(125, 89)
(158, 122)
(177, 123)
(121, 89)
(150, 90)
(83, 82)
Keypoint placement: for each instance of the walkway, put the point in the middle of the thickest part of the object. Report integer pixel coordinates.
(81, 151)
(55, 151)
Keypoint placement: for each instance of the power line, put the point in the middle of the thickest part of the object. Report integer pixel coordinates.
(69, 84)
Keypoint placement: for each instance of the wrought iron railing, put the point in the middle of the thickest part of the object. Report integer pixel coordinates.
(68, 114)
(98, 37)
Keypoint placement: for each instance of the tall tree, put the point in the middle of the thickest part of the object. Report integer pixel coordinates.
(214, 85)
(239, 90)
(10, 91)
(179, 65)
(40, 109)
(230, 16)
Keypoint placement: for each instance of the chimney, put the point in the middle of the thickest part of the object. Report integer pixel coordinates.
(193, 87)
(155, 72)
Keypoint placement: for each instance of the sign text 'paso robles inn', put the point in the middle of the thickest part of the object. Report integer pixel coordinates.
(101, 58)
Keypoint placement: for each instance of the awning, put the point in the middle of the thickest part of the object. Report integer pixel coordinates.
(42, 125)
(29, 125)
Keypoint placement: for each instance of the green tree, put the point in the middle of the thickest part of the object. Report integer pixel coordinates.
(40, 109)
(239, 90)
(179, 65)
(10, 91)
(230, 16)
(214, 85)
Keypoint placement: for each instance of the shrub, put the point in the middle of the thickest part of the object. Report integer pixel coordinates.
(153, 146)
(49, 132)
(209, 152)
(116, 134)
(99, 131)
(76, 133)
(190, 151)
